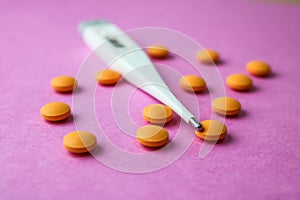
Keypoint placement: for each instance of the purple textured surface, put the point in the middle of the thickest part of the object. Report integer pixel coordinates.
(259, 160)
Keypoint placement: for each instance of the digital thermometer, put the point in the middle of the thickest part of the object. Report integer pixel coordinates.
(122, 54)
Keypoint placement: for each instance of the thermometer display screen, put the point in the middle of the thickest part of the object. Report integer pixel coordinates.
(115, 42)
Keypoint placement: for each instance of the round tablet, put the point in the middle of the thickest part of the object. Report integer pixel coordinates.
(63, 83)
(212, 130)
(208, 56)
(80, 142)
(152, 136)
(157, 114)
(226, 106)
(239, 82)
(193, 83)
(258, 68)
(157, 51)
(55, 111)
(108, 77)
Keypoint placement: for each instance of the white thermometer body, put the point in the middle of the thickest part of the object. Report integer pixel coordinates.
(124, 55)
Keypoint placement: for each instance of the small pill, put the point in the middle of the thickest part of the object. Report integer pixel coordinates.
(193, 83)
(63, 83)
(158, 51)
(55, 111)
(258, 68)
(152, 136)
(80, 142)
(226, 106)
(208, 56)
(157, 114)
(239, 82)
(212, 130)
(108, 77)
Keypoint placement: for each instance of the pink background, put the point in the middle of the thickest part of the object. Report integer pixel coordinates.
(260, 159)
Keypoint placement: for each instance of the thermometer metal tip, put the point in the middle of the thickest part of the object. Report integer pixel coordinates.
(195, 124)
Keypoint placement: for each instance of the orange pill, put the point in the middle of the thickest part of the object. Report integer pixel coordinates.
(193, 83)
(63, 83)
(55, 111)
(239, 82)
(226, 106)
(108, 77)
(158, 51)
(152, 136)
(80, 142)
(208, 56)
(258, 68)
(212, 130)
(157, 114)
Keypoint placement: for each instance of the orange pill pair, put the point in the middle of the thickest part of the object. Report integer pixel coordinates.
(242, 82)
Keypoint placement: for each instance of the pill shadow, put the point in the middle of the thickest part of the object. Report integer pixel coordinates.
(117, 84)
(92, 153)
(170, 56)
(70, 119)
(149, 149)
(254, 88)
(204, 92)
(96, 151)
(152, 148)
(270, 76)
(76, 90)
(169, 146)
(242, 113)
(221, 62)
(80, 155)
(227, 140)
